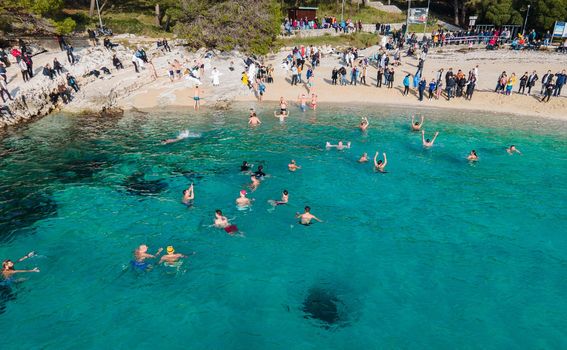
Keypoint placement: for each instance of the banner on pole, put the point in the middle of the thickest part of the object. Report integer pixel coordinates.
(418, 15)
(560, 30)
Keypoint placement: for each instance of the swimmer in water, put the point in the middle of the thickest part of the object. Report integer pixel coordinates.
(380, 165)
(292, 166)
(472, 157)
(245, 166)
(253, 120)
(416, 126)
(242, 201)
(284, 200)
(364, 124)
(260, 172)
(222, 222)
(188, 196)
(426, 142)
(302, 99)
(255, 182)
(314, 101)
(281, 116)
(306, 217)
(512, 149)
(141, 254)
(171, 257)
(340, 146)
(283, 105)
(8, 269)
(182, 135)
(363, 158)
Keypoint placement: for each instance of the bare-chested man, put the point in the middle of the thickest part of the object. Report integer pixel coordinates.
(427, 143)
(363, 158)
(380, 165)
(364, 124)
(292, 166)
(188, 196)
(171, 258)
(416, 126)
(472, 157)
(281, 116)
(306, 217)
(243, 201)
(512, 149)
(253, 120)
(140, 255)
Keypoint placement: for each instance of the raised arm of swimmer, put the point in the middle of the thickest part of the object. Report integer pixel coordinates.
(434, 137)
(376, 159)
(385, 160)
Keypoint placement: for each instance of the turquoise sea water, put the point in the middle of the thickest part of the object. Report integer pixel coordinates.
(436, 254)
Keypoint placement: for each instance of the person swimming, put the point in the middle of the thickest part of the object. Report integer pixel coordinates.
(222, 222)
(253, 120)
(427, 143)
(281, 116)
(306, 217)
(171, 259)
(512, 149)
(9, 270)
(472, 157)
(292, 166)
(182, 135)
(284, 200)
(255, 182)
(416, 126)
(243, 201)
(188, 196)
(363, 158)
(140, 256)
(364, 124)
(380, 165)
(246, 166)
(260, 172)
(340, 146)
(313, 100)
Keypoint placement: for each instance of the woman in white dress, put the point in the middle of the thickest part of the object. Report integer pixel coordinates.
(215, 75)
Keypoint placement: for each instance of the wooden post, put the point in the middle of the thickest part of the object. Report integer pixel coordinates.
(158, 17)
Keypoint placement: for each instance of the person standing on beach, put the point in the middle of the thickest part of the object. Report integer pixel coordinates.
(196, 98)
(427, 143)
(549, 87)
(431, 88)
(334, 76)
(421, 88)
(406, 83)
(379, 75)
(391, 78)
(470, 87)
(294, 75)
(546, 80)
(523, 84)
(531, 81)
(559, 82)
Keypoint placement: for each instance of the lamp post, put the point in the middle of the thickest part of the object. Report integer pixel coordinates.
(526, 20)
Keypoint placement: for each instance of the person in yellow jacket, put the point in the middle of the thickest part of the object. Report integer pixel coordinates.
(510, 84)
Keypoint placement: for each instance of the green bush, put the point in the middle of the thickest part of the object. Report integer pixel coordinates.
(66, 26)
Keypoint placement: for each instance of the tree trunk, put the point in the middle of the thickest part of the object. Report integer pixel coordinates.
(91, 11)
(456, 11)
(158, 16)
(167, 21)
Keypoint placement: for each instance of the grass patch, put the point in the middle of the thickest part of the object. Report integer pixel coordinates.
(359, 40)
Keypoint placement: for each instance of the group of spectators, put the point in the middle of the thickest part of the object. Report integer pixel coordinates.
(345, 26)
(551, 84)
(295, 63)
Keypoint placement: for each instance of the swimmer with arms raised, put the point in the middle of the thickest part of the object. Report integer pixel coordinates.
(306, 217)
(427, 143)
(416, 126)
(253, 120)
(188, 196)
(282, 115)
(141, 254)
(472, 157)
(171, 258)
(243, 201)
(222, 222)
(292, 166)
(8, 269)
(363, 158)
(340, 146)
(380, 165)
(512, 149)
(364, 124)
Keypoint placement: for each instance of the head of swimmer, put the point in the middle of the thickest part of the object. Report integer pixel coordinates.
(7, 265)
(218, 213)
(307, 209)
(379, 162)
(285, 192)
(143, 248)
(170, 250)
(260, 167)
(244, 163)
(427, 140)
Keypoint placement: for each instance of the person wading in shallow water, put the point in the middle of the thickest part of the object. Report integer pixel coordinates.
(306, 217)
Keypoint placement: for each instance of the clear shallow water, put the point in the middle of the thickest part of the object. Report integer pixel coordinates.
(435, 254)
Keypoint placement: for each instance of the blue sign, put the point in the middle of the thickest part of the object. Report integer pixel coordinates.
(560, 30)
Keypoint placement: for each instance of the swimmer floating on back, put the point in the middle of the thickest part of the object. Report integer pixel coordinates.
(512, 149)
(416, 126)
(426, 142)
(222, 222)
(306, 217)
(380, 165)
(340, 146)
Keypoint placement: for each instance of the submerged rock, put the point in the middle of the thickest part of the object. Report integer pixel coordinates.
(136, 184)
(324, 306)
